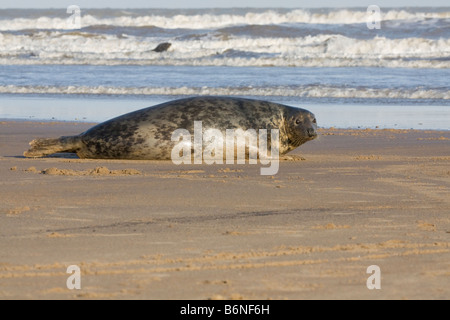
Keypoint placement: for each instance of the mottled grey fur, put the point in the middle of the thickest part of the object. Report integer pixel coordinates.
(146, 133)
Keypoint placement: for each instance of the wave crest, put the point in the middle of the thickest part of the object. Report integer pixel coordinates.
(210, 21)
(313, 91)
(210, 50)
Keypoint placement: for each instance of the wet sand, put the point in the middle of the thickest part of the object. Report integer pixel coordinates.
(153, 230)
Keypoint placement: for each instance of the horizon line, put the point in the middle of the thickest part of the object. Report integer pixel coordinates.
(188, 8)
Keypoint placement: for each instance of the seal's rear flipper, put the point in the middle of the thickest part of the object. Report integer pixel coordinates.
(44, 147)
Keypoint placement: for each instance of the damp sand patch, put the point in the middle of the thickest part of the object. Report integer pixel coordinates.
(99, 171)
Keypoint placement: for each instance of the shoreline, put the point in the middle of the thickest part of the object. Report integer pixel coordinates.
(154, 230)
(338, 115)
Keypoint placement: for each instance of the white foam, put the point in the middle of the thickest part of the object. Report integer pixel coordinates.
(300, 91)
(321, 51)
(208, 21)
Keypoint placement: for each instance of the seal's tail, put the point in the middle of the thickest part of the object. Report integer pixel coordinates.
(44, 147)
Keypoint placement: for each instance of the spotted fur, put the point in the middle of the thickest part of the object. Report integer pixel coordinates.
(146, 134)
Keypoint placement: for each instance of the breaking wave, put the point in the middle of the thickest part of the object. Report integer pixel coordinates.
(45, 47)
(297, 91)
(218, 20)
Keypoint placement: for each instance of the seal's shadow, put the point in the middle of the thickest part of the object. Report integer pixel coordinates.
(64, 156)
(53, 156)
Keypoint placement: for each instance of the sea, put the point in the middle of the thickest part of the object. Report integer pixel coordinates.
(353, 68)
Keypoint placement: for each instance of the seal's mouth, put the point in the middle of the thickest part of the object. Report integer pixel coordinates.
(312, 133)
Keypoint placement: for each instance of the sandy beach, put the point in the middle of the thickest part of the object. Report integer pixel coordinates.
(154, 230)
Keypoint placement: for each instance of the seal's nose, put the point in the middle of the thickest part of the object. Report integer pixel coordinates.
(311, 132)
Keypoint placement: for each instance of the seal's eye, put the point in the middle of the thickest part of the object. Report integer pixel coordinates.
(298, 121)
(315, 121)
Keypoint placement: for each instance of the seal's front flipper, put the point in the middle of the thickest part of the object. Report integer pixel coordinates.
(44, 147)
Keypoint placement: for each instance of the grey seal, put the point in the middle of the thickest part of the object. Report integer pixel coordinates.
(147, 134)
(162, 47)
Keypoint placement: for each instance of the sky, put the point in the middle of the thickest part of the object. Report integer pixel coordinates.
(4, 4)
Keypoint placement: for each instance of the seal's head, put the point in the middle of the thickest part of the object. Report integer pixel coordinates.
(301, 127)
